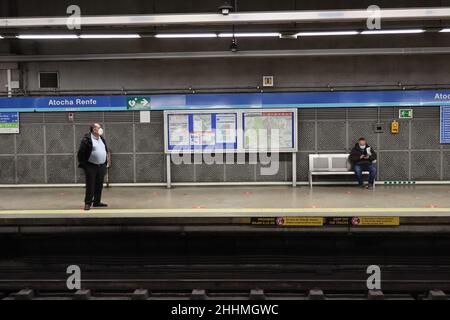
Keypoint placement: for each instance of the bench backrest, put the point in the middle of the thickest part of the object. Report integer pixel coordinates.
(329, 162)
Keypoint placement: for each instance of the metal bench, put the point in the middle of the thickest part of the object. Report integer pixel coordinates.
(329, 164)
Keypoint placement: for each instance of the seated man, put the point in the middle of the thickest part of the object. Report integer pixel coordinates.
(363, 157)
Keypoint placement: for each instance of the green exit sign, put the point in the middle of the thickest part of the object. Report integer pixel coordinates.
(405, 113)
(138, 103)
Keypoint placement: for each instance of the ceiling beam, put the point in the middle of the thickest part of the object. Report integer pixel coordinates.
(324, 16)
(228, 54)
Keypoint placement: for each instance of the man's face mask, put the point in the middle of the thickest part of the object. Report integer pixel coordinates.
(100, 131)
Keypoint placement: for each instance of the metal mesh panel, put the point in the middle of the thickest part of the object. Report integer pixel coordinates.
(387, 113)
(362, 113)
(149, 138)
(182, 172)
(119, 137)
(150, 168)
(30, 139)
(302, 166)
(331, 113)
(275, 171)
(59, 138)
(425, 134)
(56, 117)
(331, 135)
(30, 169)
(119, 116)
(121, 169)
(6, 144)
(393, 165)
(426, 113)
(88, 117)
(398, 141)
(209, 173)
(31, 117)
(425, 165)
(80, 131)
(60, 169)
(240, 172)
(7, 169)
(446, 165)
(357, 129)
(306, 136)
(306, 114)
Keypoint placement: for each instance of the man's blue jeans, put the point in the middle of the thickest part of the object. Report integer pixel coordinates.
(359, 168)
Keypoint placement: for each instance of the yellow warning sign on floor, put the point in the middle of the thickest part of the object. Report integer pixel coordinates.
(376, 221)
(300, 221)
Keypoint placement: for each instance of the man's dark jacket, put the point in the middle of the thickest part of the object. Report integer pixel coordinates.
(84, 153)
(357, 152)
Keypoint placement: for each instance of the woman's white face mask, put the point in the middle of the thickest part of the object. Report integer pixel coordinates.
(362, 146)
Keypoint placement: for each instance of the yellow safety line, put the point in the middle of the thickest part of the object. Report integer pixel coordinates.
(278, 211)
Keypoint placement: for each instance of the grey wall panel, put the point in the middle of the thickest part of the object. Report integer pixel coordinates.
(398, 141)
(275, 171)
(362, 128)
(182, 172)
(89, 117)
(362, 113)
(425, 134)
(425, 165)
(302, 166)
(150, 168)
(426, 112)
(30, 169)
(119, 137)
(240, 172)
(210, 172)
(80, 131)
(119, 116)
(60, 169)
(386, 113)
(306, 136)
(331, 135)
(31, 139)
(306, 114)
(121, 170)
(393, 165)
(59, 138)
(446, 165)
(7, 144)
(79, 175)
(7, 169)
(331, 114)
(149, 137)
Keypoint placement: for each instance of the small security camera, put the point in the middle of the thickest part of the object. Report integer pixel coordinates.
(225, 9)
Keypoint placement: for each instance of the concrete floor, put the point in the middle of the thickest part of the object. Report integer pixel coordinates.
(231, 197)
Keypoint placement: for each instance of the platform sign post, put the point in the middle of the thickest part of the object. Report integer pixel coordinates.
(9, 122)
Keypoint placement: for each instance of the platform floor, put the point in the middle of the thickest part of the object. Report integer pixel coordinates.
(418, 200)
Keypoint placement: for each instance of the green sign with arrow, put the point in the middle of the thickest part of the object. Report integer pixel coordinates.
(138, 103)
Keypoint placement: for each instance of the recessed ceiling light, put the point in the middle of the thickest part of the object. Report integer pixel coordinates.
(445, 30)
(404, 31)
(326, 33)
(46, 36)
(249, 34)
(185, 35)
(110, 36)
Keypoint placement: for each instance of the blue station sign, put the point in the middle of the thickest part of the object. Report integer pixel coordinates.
(341, 99)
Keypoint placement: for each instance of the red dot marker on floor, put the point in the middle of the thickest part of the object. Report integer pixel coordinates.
(247, 193)
(156, 194)
(432, 206)
(314, 206)
(198, 207)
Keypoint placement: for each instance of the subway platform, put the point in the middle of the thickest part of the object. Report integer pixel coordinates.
(239, 208)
